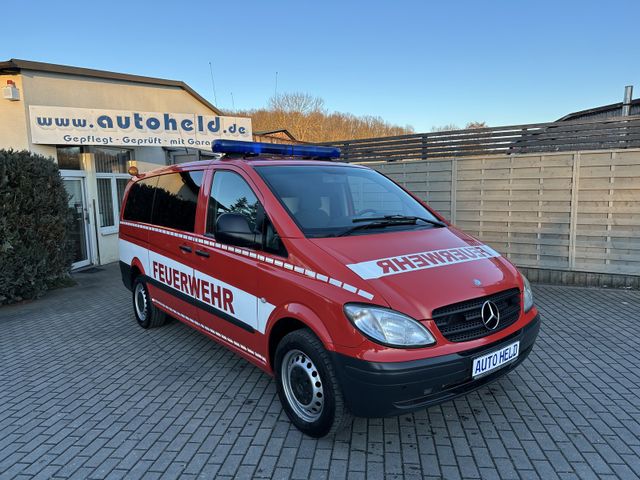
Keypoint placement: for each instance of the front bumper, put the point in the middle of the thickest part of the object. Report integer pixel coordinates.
(374, 389)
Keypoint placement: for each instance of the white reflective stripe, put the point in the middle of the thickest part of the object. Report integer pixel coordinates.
(211, 330)
(366, 295)
(265, 309)
(261, 258)
(232, 300)
(349, 288)
(246, 307)
(128, 251)
(410, 262)
(245, 304)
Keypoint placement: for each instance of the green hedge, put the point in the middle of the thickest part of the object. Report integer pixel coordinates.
(35, 251)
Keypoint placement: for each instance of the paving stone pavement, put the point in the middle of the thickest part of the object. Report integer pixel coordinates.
(86, 393)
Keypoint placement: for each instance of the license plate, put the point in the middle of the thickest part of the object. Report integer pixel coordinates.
(492, 361)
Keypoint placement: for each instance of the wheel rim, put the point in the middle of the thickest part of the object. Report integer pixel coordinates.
(302, 385)
(140, 302)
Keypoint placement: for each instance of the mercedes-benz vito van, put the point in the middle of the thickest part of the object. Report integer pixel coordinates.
(359, 298)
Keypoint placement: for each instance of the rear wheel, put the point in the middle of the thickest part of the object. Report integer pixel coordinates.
(147, 315)
(307, 385)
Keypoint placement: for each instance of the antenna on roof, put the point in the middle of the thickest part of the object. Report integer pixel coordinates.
(233, 104)
(275, 92)
(213, 85)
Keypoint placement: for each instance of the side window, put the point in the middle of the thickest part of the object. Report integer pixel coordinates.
(272, 242)
(140, 200)
(231, 194)
(176, 200)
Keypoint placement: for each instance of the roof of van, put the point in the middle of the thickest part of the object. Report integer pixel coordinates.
(252, 161)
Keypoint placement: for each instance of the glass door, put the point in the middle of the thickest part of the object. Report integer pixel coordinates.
(80, 227)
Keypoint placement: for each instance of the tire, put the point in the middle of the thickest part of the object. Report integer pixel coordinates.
(308, 386)
(147, 315)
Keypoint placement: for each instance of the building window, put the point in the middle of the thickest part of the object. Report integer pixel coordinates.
(111, 175)
(111, 160)
(105, 201)
(121, 183)
(69, 158)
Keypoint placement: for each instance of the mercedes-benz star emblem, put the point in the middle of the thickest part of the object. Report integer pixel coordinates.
(490, 315)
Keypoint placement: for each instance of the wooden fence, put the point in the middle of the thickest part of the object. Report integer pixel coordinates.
(575, 211)
(617, 132)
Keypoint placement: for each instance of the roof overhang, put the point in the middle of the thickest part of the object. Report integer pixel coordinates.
(283, 131)
(14, 66)
(595, 110)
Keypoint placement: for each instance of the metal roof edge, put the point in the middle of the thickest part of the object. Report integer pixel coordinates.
(603, 108)
(16, 65)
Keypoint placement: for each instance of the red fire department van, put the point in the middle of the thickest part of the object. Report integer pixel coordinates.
(359, 298)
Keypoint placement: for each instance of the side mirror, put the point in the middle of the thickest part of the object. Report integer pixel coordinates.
(234, 229)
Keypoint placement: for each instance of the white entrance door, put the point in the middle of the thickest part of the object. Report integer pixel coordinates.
(80, 229)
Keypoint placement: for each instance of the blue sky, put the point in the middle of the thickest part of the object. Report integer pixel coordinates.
(419, 63)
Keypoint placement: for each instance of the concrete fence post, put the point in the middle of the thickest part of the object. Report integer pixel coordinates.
(454, 185)
(573, 221)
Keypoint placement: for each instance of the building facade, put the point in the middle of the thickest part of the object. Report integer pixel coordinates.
(95, 125)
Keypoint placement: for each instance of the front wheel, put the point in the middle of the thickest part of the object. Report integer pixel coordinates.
(307, 385)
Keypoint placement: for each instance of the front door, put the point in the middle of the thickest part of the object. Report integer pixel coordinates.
(230, 274)
(80, 228)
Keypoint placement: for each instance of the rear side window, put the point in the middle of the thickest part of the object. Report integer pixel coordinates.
(176, 200)
(140, 200)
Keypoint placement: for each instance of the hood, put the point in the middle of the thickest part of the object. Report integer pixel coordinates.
(420, 270)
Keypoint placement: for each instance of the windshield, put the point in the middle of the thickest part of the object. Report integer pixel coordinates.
(328, 201)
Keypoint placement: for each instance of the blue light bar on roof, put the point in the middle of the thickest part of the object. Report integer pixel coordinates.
(261, 148)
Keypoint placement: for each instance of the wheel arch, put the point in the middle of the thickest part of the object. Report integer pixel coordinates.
(136, 269)
(129, 272)
(289, 319)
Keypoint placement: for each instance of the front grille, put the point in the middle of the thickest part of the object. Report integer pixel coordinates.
(462, 321)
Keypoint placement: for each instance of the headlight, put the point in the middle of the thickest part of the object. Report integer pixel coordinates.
(388, 327)
(528, 294)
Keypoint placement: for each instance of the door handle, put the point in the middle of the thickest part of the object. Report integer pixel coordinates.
(202, 253)
(186, 248)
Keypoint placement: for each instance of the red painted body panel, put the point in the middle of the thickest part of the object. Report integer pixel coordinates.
(316, 292)
(416, 293)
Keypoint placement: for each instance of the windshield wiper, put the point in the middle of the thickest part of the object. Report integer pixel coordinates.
(435, 222)
(387, 221)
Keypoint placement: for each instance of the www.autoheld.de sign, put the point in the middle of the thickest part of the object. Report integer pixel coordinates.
(87, 126)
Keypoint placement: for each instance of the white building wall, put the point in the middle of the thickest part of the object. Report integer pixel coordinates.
(53, 89)
(13, 118)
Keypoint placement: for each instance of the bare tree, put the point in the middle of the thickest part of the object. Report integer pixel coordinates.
(296, 102)
(471, 125)
(453, 126)
(445, 128)
(307, 118)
